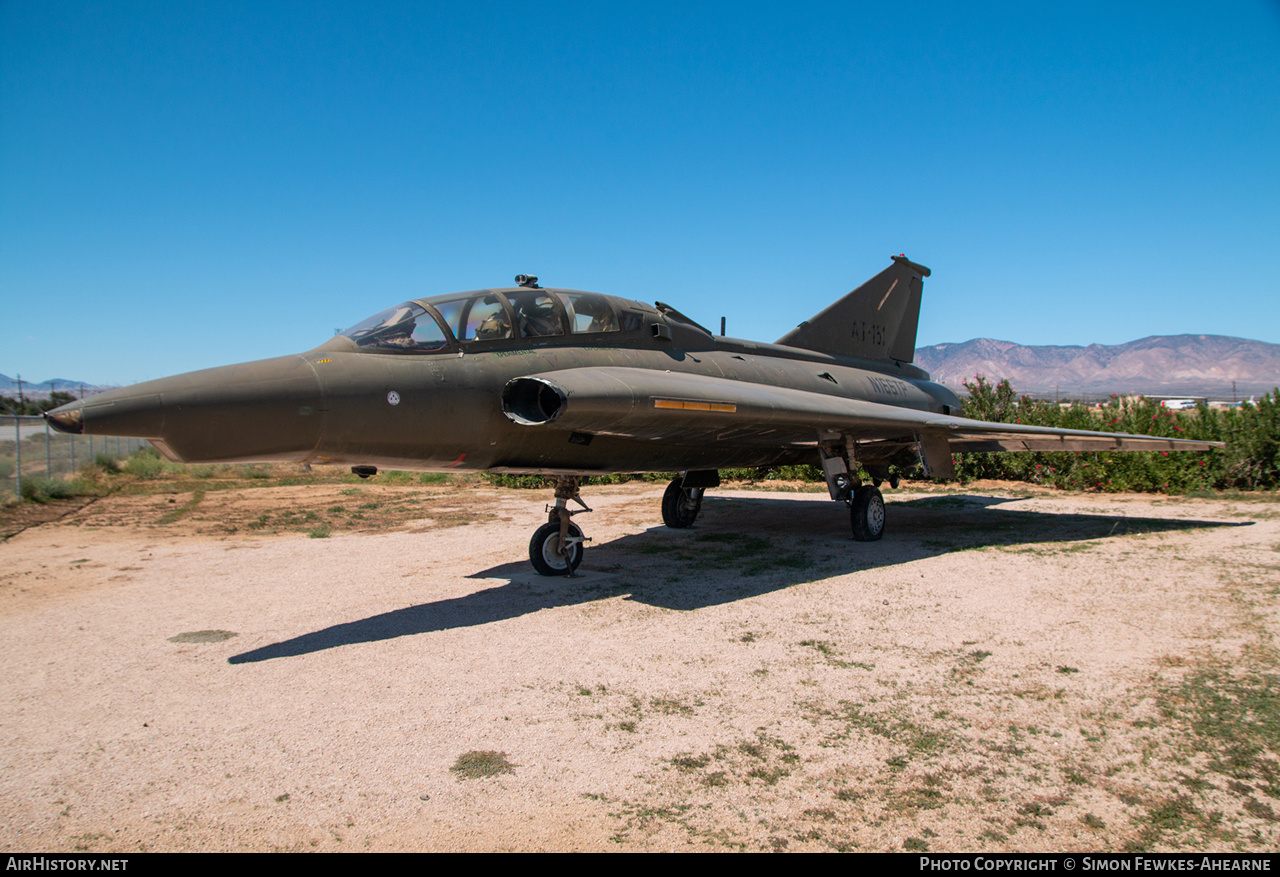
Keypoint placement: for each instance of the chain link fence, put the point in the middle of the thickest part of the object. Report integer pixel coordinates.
(29, 449)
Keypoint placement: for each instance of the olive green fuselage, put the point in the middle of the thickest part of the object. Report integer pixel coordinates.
(443, 410)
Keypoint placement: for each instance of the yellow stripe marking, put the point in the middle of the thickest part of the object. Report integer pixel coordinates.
(690, 405)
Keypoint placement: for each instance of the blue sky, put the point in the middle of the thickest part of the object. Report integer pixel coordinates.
(189, 184)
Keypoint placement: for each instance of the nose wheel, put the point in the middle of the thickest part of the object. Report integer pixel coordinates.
(547, 555)
(556, 546)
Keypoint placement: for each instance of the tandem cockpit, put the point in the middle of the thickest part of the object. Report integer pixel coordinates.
(524, 313)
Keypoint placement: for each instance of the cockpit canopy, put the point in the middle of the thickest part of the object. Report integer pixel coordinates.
(445, 321)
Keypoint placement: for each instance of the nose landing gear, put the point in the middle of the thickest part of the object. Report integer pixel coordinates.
(554, 555)
(556, 546)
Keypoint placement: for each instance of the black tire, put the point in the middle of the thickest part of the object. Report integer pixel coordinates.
(680, 505)
(542, 551)
(866, 513)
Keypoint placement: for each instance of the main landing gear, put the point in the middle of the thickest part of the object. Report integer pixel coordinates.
(680, 505)
(866, 513)
(866, 505)
(556, 546)
(683, 498)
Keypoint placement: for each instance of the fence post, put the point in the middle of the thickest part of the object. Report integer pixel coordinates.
(48, 465)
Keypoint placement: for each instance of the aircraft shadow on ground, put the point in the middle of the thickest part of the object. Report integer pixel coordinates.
(771, 544)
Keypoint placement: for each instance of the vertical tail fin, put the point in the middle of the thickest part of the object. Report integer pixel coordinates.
(878, 320)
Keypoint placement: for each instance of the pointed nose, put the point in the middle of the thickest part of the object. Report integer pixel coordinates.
(67, 418)
(267, 410)
(124, 412)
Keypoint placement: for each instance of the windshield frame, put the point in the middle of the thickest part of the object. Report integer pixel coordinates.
(365, 335)
(625, 318)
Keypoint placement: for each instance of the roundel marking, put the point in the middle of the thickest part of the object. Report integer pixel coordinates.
(393, 398)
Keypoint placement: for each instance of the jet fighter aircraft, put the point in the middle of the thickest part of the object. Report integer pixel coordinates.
(567, 383)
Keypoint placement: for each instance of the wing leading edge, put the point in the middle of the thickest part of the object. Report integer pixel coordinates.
(677, 407)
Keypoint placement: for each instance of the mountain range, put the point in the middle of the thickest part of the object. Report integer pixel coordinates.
(41, 389)
(1162, 365)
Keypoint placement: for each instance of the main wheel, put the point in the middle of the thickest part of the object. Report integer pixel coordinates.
(680, 505)
(543, 555)
(866, 512)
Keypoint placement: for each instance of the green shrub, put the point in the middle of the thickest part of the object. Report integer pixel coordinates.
(146, 466)
(107, 462)
(41, 489)
(539, 482)
(1251, 459)
(1252, 434)
(524, 482)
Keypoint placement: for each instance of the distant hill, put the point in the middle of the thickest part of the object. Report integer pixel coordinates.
(41, 389)
(1162, 365)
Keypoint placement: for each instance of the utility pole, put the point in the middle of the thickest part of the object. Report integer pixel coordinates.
(17, 435)
(90, 437)
(53, 388)
(17, 451)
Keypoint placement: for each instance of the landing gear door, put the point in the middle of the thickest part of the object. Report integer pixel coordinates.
(935, 455)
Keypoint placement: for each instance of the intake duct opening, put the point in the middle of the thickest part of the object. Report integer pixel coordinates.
(532, 401)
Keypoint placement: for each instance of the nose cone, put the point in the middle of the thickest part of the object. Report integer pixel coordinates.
(67, 418)
(267, 410)
(127, 412)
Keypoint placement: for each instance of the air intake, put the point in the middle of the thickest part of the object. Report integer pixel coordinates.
(532, 401)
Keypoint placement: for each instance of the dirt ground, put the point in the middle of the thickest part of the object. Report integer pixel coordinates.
(335, 667)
